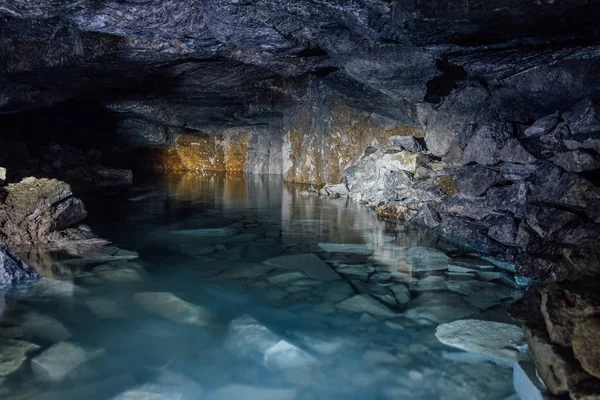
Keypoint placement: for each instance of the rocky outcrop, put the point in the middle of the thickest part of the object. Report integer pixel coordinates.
(501, 190)
(561, 322)
(43, 212)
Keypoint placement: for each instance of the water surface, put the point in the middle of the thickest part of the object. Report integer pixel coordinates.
(210, 310)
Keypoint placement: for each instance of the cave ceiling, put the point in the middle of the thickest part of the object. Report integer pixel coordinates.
(196, 63)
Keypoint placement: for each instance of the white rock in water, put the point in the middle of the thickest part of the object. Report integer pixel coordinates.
(245, 392)
(431, 283)
(105, 309)
(151, 391)
(13, 353)
(527, 385)
(308, 263)
(43, 327)
(211, 232)
(55, 363)
(190, 389)
(248, 338)
(499, 342)
(171, 307)
(365, 303)
(347, 248)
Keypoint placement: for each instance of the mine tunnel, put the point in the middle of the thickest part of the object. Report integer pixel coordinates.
(299, 200)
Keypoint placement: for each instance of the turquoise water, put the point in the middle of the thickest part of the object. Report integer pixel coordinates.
(246, 288)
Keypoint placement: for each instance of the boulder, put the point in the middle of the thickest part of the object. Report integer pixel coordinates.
(248, 338)
(12, 268)
(171, 307)
(543, 125)
(502, 343)
(13, 354)
(485, 143)
(43, 327)
(105, 309)
(41, 211)
(152, 391)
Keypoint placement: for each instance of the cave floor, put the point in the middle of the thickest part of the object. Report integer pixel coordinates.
(245, 287)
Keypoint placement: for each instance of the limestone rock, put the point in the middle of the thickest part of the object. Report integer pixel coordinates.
(408, 143)
(577, 161)
(171, 307)
(586, 345)
(543, 125)
(476, 180)
(498, 341)
(12, 268)
(13, 353)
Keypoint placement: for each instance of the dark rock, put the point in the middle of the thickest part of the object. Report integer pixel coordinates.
(484, 145)
(583, 118)
(545, 221)
(462, 206)
(476, 180)
(517, 172)
(427, 216)
(590, 141)
(513, 152)
(12, 268)
(511, 198)
(408, 143)
(502, 229)
(469, 232)
(549, 145)
(577, 161)
(543, 126)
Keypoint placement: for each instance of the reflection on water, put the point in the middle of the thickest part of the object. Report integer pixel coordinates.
(246, 288)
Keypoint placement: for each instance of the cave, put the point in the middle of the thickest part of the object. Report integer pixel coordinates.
(289, 200)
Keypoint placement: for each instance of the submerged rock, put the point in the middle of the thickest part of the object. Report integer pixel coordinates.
(55, 363)
(365, 303)
(103, 255)
(12, 268)
(105, 309)
(248, 338)
(308, 263)
(152, 391)
(171, 307)
(43, 327)
(13, 353)
(347, 248)
(225, 232)
(237, 391)
(500, 342)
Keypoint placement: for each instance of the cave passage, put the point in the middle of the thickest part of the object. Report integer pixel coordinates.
(299, 200)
